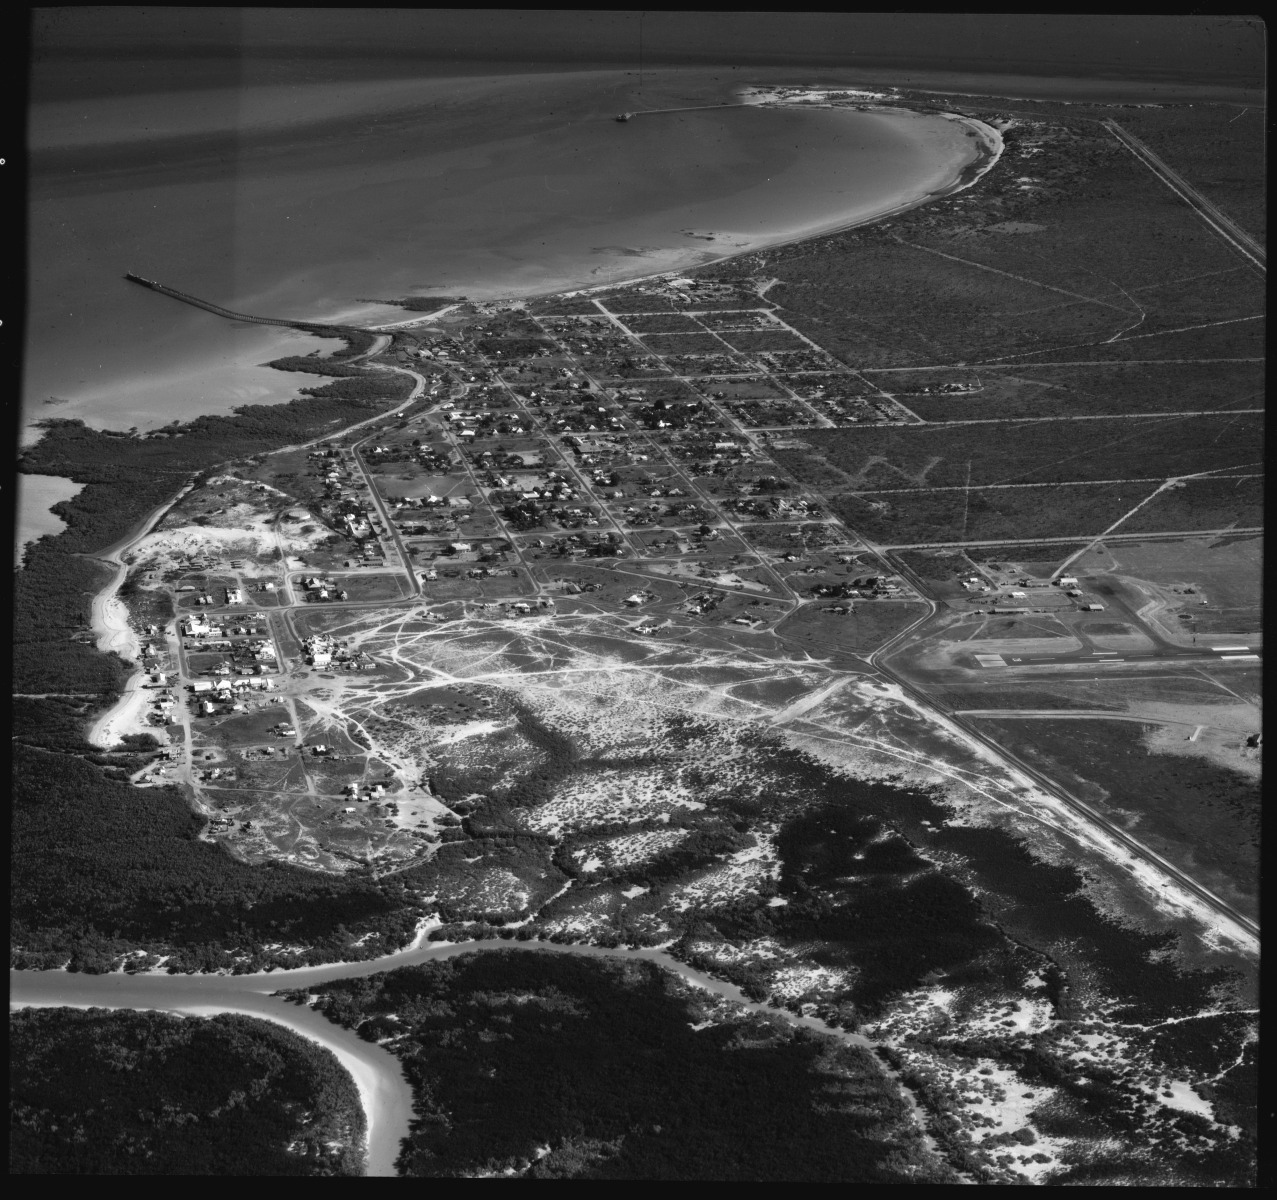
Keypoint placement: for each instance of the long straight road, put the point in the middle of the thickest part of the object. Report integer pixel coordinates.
(1225, 227)
(414, 584)
(1134, 847)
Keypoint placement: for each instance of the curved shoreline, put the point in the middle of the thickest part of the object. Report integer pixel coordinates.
(987, 156)
(383, 1091)
(110, 621)
(988, 153)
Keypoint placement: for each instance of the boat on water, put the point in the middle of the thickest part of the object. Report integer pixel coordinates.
(623, 116)
(141, 279)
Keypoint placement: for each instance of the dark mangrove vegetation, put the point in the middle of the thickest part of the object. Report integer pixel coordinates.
(560, 1067)
(148, 1093)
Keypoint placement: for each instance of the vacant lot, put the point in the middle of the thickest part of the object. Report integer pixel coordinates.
(683, 343)
(1027, 452)
(662, 323)
(940, 568)
(247, 729)
(710, 364)
(795, 537)
(747, 319)
(757, 388)
(1104, 388)
(372, 587)
(859, 632)
(764, 339)
(985, 514)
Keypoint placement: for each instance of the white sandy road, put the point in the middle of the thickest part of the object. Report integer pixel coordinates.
(110, 621)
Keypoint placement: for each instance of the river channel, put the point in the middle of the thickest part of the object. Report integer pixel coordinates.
(383, 1089)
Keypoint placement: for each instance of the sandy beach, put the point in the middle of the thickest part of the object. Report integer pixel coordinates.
(110, 622)
(953, 173)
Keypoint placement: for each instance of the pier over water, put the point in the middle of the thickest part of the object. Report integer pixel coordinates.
(218, 310)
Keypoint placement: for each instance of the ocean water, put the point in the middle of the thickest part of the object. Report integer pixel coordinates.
(308, 200)
(35, 496)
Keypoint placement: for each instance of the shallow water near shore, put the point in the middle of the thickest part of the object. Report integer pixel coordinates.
(35, 495)
(489, 186)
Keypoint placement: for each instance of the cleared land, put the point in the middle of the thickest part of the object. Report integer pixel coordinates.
(859, 632)
(985, 514)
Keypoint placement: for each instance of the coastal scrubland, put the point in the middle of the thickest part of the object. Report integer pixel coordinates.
(149, 1093)
(1071, 244)
(1200, 814)
(930, 456)
(101, 868)
(1113, 389)
(1214, 152)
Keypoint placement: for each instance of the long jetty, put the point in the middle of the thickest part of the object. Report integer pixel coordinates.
(647, 112)
(217, 309)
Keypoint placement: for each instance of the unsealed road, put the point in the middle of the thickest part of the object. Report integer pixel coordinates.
(1226, 227)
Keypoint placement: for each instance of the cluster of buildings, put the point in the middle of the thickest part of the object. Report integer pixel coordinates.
(208, 694)
(576, 545)
(1023, 589)
(323, 651)
(323, 589)
(234, 595)
(162, 702)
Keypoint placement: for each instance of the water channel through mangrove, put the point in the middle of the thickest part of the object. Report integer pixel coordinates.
(383, 1089)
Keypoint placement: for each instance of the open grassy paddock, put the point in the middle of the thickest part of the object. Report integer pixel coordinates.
(1203, 504)
(1226, 573)
(862, 631)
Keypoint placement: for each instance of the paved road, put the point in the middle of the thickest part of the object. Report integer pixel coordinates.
(1049, 785)
(1135, 848)
(1225, 227)
(1088, 537)
(1233, 651)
